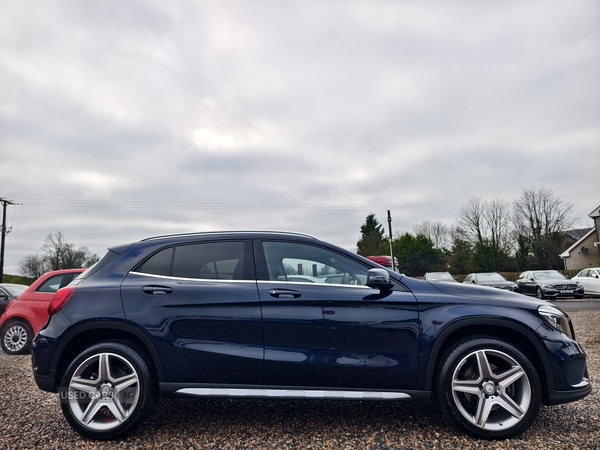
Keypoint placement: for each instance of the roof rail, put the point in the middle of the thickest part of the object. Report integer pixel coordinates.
(209, 233)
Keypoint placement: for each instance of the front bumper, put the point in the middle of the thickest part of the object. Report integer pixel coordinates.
(560, 397)
(554, 293)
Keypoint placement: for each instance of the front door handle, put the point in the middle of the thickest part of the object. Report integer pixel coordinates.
(284, 293)
(157, 290)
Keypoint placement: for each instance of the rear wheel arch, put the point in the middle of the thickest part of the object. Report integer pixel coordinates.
(91, 333)
(512, 333)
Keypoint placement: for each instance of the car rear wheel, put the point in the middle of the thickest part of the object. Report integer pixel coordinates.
(488, 387)
(108, 390)
(16, 338)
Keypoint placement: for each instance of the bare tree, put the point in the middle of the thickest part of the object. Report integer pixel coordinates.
(539, 218)
(56, 250)
(486, 226)
(33, 266)
(437, 232)
(56, 254)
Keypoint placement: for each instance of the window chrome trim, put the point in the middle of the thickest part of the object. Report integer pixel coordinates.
(294, 393)
(204, 280)
(307, 283)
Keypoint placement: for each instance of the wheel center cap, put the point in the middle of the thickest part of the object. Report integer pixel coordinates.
(105, 390)
(489, 388)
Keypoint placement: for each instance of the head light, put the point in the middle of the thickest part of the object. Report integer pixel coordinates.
(556, 319)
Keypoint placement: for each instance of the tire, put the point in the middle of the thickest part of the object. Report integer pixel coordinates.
(16, 338)
(108, 390)
(489, 404)
(539, 294)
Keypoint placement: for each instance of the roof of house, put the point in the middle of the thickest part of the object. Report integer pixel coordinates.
(565, 254)
(576, 234)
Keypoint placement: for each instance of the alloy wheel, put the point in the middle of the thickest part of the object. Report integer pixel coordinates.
(103, 391)
(491, 390)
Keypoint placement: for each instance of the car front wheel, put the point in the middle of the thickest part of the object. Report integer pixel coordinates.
(539, 293)
(108, 390)
(16, 338)
(488, 387)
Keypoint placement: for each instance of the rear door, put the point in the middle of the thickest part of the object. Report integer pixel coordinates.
(335, 332)
(200, 304)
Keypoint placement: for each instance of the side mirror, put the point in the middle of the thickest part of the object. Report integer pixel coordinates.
(3, 296)
(379, 279)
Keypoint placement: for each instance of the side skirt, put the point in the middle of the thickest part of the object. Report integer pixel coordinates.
(275, 392)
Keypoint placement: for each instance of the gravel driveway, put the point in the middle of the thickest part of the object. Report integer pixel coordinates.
(30, 418)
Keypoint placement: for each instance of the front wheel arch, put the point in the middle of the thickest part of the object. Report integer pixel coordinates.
(510, 332)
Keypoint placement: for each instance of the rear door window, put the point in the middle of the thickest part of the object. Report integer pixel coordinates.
(208, 260)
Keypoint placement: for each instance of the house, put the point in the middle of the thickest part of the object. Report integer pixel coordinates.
(585, 252)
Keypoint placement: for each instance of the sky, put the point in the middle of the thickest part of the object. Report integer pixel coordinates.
(124, 120)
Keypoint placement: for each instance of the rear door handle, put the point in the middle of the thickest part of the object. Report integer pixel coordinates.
(157, 290)
(284, 293)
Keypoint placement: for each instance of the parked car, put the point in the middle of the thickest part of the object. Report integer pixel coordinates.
(491, 279)
(9, 292)
(548, 284)
(439, 276)
(384, 260)
(25, 316)
(214, 315)
(589, 279)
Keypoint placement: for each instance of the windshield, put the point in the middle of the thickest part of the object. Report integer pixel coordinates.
(548, 275)
(15, 289)
(490, 277)
(439, 276)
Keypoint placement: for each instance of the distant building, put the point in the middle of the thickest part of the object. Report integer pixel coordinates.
(585, 252)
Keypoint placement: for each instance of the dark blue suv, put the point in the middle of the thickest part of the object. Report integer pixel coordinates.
(284, 315)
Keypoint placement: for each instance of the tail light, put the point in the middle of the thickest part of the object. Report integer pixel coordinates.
(61, 298)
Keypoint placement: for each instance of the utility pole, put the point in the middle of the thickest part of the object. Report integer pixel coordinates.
(391, 241)
(5, 202)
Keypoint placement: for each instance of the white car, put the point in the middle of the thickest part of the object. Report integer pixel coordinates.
(590, 280)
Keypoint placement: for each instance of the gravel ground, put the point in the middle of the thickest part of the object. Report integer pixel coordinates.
(30, 418)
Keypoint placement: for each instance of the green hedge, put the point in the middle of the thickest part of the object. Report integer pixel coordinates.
(16, 279)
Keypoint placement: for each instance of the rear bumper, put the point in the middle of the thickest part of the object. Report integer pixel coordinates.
(46, 382)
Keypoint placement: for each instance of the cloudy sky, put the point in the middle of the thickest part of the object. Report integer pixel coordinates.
(122, 120)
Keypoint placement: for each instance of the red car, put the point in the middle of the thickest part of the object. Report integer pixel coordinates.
(26, 315)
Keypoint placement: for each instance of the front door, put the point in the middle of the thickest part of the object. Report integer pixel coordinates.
(324, 327)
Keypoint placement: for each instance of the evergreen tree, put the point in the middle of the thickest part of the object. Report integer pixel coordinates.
(417, 254)
(372, 237)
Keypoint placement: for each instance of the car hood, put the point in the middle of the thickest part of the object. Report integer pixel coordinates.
(482, 292)
(496, 283)
(555, 281)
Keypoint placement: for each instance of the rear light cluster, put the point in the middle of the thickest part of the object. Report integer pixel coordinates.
(61, 298)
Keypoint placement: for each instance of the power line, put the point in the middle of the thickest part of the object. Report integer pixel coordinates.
(257, 206)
